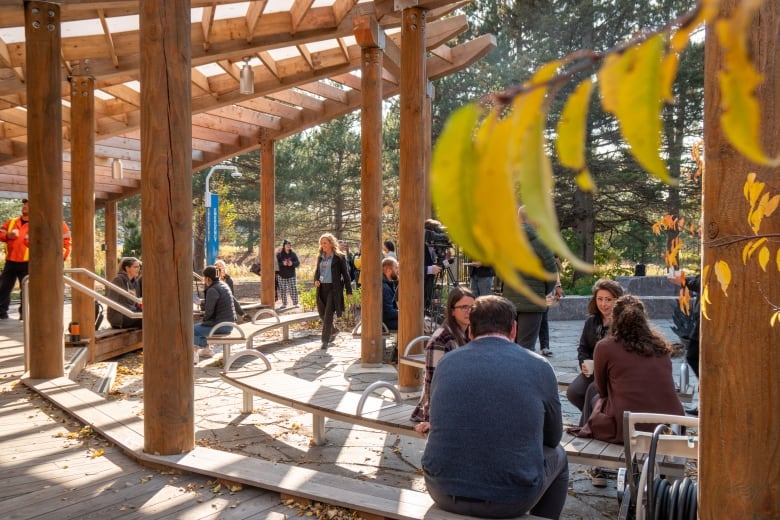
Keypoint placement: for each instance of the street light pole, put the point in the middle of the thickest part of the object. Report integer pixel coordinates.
(211, 203)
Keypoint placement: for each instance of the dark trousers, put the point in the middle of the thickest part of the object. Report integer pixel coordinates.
(12, 272)
(548, 504)
(544, 333)
(326, 308)
(528, 324)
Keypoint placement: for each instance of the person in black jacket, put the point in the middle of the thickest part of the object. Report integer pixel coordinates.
(128, 279)
(390, 293)
(331, 278)
(693, 284)
(218, 308)
(288, 262)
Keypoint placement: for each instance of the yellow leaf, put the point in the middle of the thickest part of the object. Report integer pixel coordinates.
(763, 258)
(668, 73)
(741, 114)
(756, 214)
(631, 89)
(777, 260)
(536, 184)
(572, 125)
(585, 181)
(723, 274)
(707, 11)
(750, 248)
(775, 317)
(453, 176)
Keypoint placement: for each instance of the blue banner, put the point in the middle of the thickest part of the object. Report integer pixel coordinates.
(212, 229)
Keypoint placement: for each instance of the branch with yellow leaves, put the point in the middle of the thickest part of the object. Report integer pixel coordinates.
(492, 155)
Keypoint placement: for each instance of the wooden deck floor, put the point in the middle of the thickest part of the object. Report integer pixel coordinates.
(51, 467)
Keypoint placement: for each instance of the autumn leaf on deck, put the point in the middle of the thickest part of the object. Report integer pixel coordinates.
(631, 89)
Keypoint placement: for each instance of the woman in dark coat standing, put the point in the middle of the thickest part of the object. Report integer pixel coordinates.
(331, 277)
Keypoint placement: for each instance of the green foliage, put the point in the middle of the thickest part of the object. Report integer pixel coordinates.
(308, 301)
(132, 240)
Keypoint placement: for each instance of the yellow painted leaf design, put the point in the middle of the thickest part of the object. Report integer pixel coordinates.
(585, 181)
(723, 274)
(774, 319)
(763, 258)
(756, 214)
(705, 301)
(771, 205)
(572, 126)
(747, 189)
(751, 248)
(631, 90)
(777, 260)
(453, 168)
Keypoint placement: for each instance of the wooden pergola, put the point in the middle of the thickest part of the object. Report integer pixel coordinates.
(156, 85)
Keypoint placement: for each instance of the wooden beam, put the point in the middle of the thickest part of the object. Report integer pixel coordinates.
(110, 234)
(253, 14)
(206, 22)
(371, 345)
(299, 10)
(109, 38)
(412, 176)
(166, 209)
(267, 219)
(46, 347)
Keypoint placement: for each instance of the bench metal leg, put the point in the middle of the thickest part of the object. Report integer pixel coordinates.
(248, 402)
(226, 351)
(318, 427)
(285, 332)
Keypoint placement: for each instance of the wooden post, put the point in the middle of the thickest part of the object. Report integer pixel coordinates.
(110, 232)
(371, 348)
(166, 205)
(426, 136)
(82, 196)
(739, 465)
(267, 223)
(412, 175)
(45, 343)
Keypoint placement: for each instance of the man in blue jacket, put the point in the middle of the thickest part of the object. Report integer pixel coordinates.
(493, 447)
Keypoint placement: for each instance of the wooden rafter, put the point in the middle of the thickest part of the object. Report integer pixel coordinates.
(206, 23)
(109, 38)
(298, 12)
(253, 14)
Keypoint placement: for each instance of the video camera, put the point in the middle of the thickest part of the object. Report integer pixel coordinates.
(437, 238)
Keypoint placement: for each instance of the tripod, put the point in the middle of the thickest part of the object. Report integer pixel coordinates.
(435, 297)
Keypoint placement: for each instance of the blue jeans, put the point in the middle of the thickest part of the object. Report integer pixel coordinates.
(202, 331)
(481, 285)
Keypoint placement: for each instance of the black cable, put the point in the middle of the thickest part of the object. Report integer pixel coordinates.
(651, 496)
(682, 499)
(674, 499)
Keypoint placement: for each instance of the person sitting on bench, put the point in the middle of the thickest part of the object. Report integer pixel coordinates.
(218, 308)
(493, 449)
(390, 293)
(127, 279)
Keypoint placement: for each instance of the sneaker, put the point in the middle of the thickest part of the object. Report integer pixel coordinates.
(206, 352)
(546, 352)
(246, 317)
(597, 478)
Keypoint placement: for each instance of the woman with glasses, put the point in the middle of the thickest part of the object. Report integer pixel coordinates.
(127, 278)
(450, 335)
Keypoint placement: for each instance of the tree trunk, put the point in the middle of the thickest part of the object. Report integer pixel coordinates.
(739, 465)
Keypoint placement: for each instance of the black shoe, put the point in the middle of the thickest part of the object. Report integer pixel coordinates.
(546, 352)
(3, 315)
(324, 346)
(692, 411)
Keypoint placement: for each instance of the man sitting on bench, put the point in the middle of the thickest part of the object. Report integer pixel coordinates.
(390, 293)
(127, 279)
(493, 447)
(218, 308)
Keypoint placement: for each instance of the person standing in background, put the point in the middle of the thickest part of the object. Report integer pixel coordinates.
(331, 278)
(288, 263)
(15, 233)
(481, 277)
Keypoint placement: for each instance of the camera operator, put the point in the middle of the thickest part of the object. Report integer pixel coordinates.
(437, 243)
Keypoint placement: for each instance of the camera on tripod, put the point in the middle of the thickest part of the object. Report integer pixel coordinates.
(437, 238)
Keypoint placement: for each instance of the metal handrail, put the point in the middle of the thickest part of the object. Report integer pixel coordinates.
(104, 299)
(106, 283)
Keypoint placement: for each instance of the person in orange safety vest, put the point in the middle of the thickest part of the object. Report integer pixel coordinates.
(14, 232)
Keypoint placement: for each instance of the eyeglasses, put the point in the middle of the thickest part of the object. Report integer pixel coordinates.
(466, 308)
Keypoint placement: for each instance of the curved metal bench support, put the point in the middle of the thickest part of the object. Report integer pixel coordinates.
(373, 387)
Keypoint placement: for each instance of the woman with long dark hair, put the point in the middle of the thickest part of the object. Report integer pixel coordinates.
(331, 278)
(450, 335)
(127, 278)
